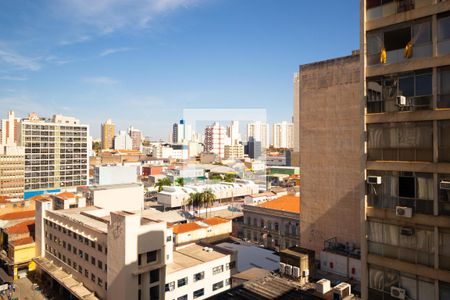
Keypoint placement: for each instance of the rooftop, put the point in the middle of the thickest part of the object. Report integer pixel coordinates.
(18, 215)
(80, 215)
(66, 195)
(182, 228)
(24, 227)
(252, 274)
(215, 221)
(113, 186)
(287, 203)
(265, 194)
(22, 242)
(190, 256)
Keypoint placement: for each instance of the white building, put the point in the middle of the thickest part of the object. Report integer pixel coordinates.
(215, 139)
(115, 197)
(123, 141)
(136, 138)
(178, 151)
(9, 129)
(115, 174)
(233, 133)
(258, 130)
(283, 135)
(176, 196)
(96, 254)
(56, 153)
(181, 133)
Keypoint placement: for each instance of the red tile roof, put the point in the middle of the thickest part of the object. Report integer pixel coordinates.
(38, 197)
(67, 195)
(182, 228)
(21, 242)
(24, 227)
(287, 203)
(18, 215)
(215, 221)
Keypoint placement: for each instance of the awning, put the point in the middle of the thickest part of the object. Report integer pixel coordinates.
(75, 287)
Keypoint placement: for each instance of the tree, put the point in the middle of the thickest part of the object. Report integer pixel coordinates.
(208, 199)
(229, 177)
(214, 176)
(180, 181)
(195, 200)
(163, 182)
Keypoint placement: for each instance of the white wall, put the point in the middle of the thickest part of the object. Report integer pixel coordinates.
(121, 198)
(105, 175)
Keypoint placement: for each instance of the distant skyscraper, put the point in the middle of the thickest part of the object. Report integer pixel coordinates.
(283, 135)
(181, 132)
(215, 136)
(253, 148)
(233, 132)
(108, 133)
(123, 141)
(136, 138)
(258, 130)
(10, 131)
(56, 153)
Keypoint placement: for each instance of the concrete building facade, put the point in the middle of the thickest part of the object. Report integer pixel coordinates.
(12, 171)
(405, 82)
(215, 139)
(108, 132)
(259, 132)
(235, 151)
(283, 135)
(55, 153)
(331, 153)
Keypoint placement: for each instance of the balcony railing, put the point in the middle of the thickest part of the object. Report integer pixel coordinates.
(394, 7)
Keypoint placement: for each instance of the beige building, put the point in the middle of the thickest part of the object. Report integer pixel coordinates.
(10, 129)
(274, 224)
(405, 81)
(12, 171)
(235, 151)
(108, 132)
(55, 153)
(331, 152)
(283, 135)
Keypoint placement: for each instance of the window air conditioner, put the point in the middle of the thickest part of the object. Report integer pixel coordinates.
(407, 231)
(401, 100)
(397, 292)
(305, 273)
(444, 185)
(296, 272)
(341, 291)
(282, 267)
(403, 211)
(288, 270)
(374, 179)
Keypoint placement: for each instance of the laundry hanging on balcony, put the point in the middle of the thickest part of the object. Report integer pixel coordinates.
(383, 55)
(408, 50)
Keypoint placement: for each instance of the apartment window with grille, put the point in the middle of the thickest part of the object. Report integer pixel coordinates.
(152, 256)
(182, 282)
(154, 276)
(218, 285)
(170, 286)
(198, 293)
(154, 293)
(218, 269)
(199, 276)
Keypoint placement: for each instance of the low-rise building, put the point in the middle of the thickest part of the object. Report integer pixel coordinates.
(115, 196)
(123, 255)
(206, 230)
(275, 223)
(114, 174)
(235, 151)
(259, 198)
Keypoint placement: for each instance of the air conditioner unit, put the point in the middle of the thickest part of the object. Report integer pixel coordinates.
(444, 185)
(296, 272)
(374, 179)
(403, 211)
(341, 291)
(397, 292)
(288, 270)
(401, 100)
(408, 231)
(305, 273)
(282, 267)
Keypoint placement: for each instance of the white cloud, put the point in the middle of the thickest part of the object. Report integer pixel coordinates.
(19, 61)
(75, 40)
(100, 80)
(13, 78)
(110, 51)
(107, 16)
(22, 105)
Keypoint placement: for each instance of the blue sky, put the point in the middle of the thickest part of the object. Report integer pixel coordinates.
(141, 62)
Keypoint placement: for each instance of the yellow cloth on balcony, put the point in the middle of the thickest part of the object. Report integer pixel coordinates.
(408, 50)
(383, 55)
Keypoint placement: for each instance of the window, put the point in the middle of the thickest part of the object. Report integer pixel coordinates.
(93, 244)
(199, 293)
(154, 276)
(69, 247)
(444, 28)
(99, 281)
(230, 265)
(99, 247)
(151, 256)
(80, 269)
(182, 282)
(154, 293)
(170, 286)
(184, 297)
(199, 276)
(100, 264)
(93, 277)
(80, 253)
(139, 259)
(217, 285)
(169, 238)
(227, 281)
(86, 256)
(139, 279)
(218, 269)
(93, 260)
(86, 273)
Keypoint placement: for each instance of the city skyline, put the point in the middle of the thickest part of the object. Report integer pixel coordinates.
(136, 69)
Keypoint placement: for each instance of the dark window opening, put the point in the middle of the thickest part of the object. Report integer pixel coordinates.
(406, 187)
(397, 39)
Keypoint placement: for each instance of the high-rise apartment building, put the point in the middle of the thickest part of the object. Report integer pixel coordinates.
(405, 63)
(283, 135)
(181, 132)
(123, 141)
(331, 154)
(12, 171)
(235, 151)
(10, 129)
(55, 153)
(296, 121)
(136, 138)
(233, 133)
(215, 139)
(259, 132)
(108, 133)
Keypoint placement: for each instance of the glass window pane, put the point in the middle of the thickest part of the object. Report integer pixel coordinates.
(444, 28)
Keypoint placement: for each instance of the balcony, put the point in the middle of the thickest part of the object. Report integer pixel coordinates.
(377, 9)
